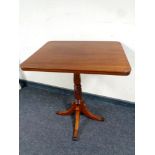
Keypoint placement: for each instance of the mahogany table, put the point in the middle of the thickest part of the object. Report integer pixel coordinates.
(88, 57)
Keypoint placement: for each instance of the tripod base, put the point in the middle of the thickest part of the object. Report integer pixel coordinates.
(77, 109)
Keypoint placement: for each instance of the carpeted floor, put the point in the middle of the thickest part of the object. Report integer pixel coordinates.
(42, 132)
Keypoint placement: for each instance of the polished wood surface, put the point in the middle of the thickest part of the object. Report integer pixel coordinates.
(78, 106)
(95, 57)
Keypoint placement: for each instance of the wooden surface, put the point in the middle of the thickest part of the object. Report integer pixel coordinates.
(94, 57)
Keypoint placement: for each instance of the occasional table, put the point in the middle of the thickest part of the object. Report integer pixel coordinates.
(87, 57)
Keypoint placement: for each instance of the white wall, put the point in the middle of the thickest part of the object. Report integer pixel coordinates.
(44, 20)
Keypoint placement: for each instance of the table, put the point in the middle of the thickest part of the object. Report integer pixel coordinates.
(87, 57)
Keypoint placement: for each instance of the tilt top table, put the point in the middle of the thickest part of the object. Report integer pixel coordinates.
(88, 57)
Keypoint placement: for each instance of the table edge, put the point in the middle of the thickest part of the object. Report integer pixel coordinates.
(123, 73)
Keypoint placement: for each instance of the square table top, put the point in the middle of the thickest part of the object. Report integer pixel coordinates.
(94, 57)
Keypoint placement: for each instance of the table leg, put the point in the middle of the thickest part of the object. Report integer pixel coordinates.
(77, 121)
(79, 107)
(68, 111)
(89, 114)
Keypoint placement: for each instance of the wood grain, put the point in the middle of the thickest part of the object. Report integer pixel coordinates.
(91, 57)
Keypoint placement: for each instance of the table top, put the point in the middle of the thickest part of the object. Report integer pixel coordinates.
(91, 57)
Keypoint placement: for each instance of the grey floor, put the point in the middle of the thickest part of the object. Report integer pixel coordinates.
(42, 132)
